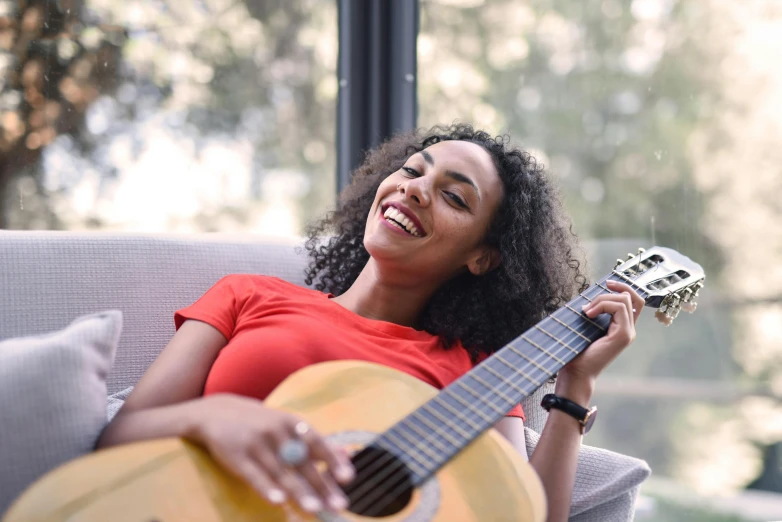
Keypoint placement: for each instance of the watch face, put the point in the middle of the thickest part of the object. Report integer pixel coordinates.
(591, 416)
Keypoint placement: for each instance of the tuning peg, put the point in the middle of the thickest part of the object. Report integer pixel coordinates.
(689, 307)
(687, 295)
(697, 288)
(641, 250)
(663, 318)
(630, 256)
(618, 262)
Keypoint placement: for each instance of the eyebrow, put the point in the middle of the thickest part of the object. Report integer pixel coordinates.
(458, 176)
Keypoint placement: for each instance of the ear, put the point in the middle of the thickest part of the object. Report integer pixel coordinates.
(486, 259)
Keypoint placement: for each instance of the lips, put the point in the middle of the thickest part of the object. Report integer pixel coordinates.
(407, 213)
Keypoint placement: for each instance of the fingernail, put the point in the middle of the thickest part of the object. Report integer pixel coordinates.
(344, 473)
(585, 308)
(310, 504)
(338, 502)
(275, 496)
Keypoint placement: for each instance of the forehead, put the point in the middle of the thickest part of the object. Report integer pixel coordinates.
(465, 157)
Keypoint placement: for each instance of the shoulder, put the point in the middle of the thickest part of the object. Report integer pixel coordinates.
(265, 285)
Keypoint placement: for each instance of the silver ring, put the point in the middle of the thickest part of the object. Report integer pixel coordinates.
(302, 428)
(293, 452)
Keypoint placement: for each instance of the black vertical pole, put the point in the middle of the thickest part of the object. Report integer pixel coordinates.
(377, 77)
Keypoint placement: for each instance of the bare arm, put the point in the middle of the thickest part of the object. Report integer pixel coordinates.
(162, 403)
(236, 430)
(556, 454)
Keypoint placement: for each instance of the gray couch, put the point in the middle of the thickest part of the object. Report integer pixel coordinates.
(50, 278)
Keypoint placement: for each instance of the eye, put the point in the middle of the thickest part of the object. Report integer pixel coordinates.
(456, 199)
(411, 172)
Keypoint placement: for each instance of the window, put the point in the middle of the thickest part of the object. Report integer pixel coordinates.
(659, 119)
(170, 116)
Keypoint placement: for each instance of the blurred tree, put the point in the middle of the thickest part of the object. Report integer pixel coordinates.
(609, 95)
(212, 73)
(52, 67)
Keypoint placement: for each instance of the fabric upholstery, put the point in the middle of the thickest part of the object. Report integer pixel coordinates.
(606, 484)
(53, 398)
(50, 277)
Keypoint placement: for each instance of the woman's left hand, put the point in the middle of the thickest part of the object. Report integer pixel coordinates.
(625, 307)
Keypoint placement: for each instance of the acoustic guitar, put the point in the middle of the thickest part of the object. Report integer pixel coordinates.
(420, 455)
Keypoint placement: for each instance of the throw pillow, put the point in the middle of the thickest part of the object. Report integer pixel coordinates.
(53, 398)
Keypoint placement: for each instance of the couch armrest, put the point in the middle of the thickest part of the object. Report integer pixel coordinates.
(607, 483)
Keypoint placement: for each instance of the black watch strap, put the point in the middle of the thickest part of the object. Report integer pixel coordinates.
(585, 417)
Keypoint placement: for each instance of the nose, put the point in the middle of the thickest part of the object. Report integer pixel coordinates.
(416, 189)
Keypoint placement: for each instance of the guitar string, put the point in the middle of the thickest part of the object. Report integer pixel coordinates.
(393, 494)
(504, 384)
(402, 475)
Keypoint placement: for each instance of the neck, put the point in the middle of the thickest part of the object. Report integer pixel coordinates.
(379, 295)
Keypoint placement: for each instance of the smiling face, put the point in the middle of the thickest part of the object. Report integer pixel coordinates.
(432, 215)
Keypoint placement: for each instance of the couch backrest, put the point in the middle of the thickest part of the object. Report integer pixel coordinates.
(50, 278)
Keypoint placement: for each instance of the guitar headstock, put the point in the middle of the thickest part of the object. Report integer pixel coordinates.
(670, 280)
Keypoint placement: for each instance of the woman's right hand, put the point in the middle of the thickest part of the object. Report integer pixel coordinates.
(244, 436)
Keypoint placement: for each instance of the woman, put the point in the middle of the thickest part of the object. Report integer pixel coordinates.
(446, 246)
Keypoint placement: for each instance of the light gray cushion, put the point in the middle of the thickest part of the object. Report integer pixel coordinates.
(53, 398)
(116, 401)
(50, 277)
(606, 484)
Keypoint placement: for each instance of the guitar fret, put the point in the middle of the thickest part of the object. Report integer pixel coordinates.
(539, 347)
(492, 388)
(435, 429)
(604, 287)
(517, 370)
(428, 437)
(541, 368)
(428, 407)
(630, 282)
(510, 383)
(584, 317)
(587, 339)
(458, 414)
(558, 340)
(414, 442)
(468, 405)
(415, 462)
(477, 395)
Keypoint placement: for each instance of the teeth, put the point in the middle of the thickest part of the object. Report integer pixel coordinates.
(401, 221)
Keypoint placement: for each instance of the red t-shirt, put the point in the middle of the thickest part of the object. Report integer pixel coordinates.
(275, 328)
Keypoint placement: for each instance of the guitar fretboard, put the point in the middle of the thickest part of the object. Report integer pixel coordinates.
(430, 436)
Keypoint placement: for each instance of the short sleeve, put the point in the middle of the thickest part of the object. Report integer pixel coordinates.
(218, 307)
(517, 411)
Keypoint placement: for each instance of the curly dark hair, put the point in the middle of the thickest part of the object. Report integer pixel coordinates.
(539, 269)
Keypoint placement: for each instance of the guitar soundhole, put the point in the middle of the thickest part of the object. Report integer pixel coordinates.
(382, 486)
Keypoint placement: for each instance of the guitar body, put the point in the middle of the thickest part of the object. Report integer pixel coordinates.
(171, 480)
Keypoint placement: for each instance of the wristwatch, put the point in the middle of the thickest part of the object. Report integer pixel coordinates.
(585, 417)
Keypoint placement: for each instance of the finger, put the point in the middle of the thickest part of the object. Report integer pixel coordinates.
(623, 297)
(637, 301)
(323, 484)
(619, 316)
(260, 481)
(338, 461)
(287, 479)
